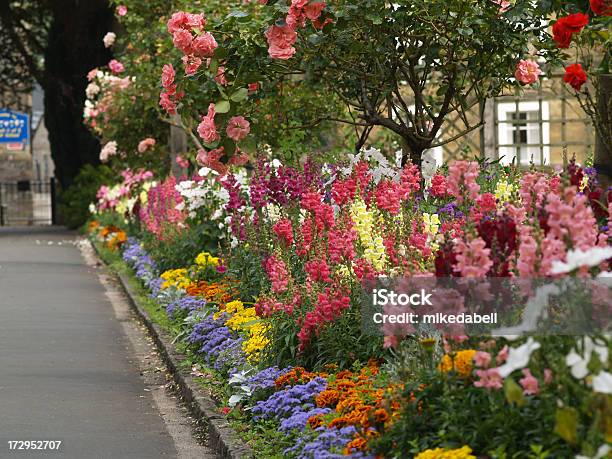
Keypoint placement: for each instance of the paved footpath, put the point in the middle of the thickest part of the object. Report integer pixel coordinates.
(74, 365)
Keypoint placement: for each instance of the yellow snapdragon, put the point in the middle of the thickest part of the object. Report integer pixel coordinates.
(206, 259)
(431, 222)
(363, 219)
(504, 190)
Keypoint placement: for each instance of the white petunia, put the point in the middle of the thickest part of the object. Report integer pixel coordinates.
(579, 363)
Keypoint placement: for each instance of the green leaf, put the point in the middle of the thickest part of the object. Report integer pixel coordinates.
(513, 392)
(223, 106)
(566, 424)
(221, 53)
(239, 95)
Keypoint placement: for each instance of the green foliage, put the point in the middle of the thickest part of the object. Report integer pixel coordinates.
(179, 248)
(74, 202)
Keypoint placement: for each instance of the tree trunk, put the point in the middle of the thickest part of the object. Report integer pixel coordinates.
(603, 147)
(74, 47)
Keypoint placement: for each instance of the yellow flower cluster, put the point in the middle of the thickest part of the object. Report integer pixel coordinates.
(363, 220)
(206, 259)
(462, 363)
(175, 278)
(440, 453)
(431, 222)
(246, 319)
(504, 191)
(584, 182)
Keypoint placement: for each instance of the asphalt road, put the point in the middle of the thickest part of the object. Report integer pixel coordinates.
(68, 371)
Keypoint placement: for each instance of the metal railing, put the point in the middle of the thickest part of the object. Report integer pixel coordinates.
(28, 203)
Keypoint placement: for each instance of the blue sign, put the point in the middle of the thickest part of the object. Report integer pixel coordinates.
(14, 127)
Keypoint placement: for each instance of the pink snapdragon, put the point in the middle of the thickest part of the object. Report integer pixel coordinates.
(473, 258)
(238, 128)
(482, 359)
(461, 180)
(527, 72)
(529, 383)
(489, 379)
(277, 273)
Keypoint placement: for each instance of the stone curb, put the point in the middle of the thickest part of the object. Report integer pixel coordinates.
(222, 438)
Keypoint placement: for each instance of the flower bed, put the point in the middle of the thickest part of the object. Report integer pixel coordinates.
(276, 311)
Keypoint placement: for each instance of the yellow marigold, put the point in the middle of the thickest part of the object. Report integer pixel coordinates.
(446, 364)
(464, 362)
(441, 453)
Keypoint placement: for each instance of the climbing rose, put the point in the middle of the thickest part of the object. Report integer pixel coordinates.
(108, 150)
(122, 10)
(602, 7)
(192, 64)
(116, 66)
(313, 10)
(183, 40)
(504, 5)
(146, 144)
(280, 41)
(204, 45)
(167, 103)
(575, 76)
(109, 39)
(238, 128)
(527, 72)
(168, 75)
(206, 128)
(566, 26)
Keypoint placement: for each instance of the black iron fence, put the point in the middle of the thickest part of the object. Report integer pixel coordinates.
(27, 203)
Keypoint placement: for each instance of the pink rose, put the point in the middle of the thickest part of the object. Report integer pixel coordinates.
(211, 159)
(207, 129)
(238, 128)
(116, 66)
(280, 42)
(183, 40)
(195, 21)
(313, 10)
(204, 45)
(146, 144)
(482, 359)
(527, 72)
(122, 10)
(220, 76)
(529, 383)
(263, 2)
(192, 64)
(504, 5)
(168, 75)
(184, 163)
(177, 22)
(167, 103)
(92, 74)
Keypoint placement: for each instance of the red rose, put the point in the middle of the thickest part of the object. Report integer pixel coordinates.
(566, 26)
(601, 7)
(575, 76)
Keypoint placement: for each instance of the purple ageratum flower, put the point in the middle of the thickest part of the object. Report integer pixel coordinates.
(290, 401)
(265, 378)
(185, 304)
(299, 419)
(324, 443)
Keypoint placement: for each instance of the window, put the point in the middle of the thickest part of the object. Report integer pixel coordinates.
(523, 130)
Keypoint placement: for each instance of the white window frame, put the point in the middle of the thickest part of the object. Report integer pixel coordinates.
(505, 130)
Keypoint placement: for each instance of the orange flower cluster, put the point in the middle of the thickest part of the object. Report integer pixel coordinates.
(213, 292)
(93, 226)
(358, 401)
(112, 236)
(297, 375)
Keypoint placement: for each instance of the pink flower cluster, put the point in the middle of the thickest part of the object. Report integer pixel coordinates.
(160, 216)
(189, 37)
(461, 180)
(281, 38)
(169, 97)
